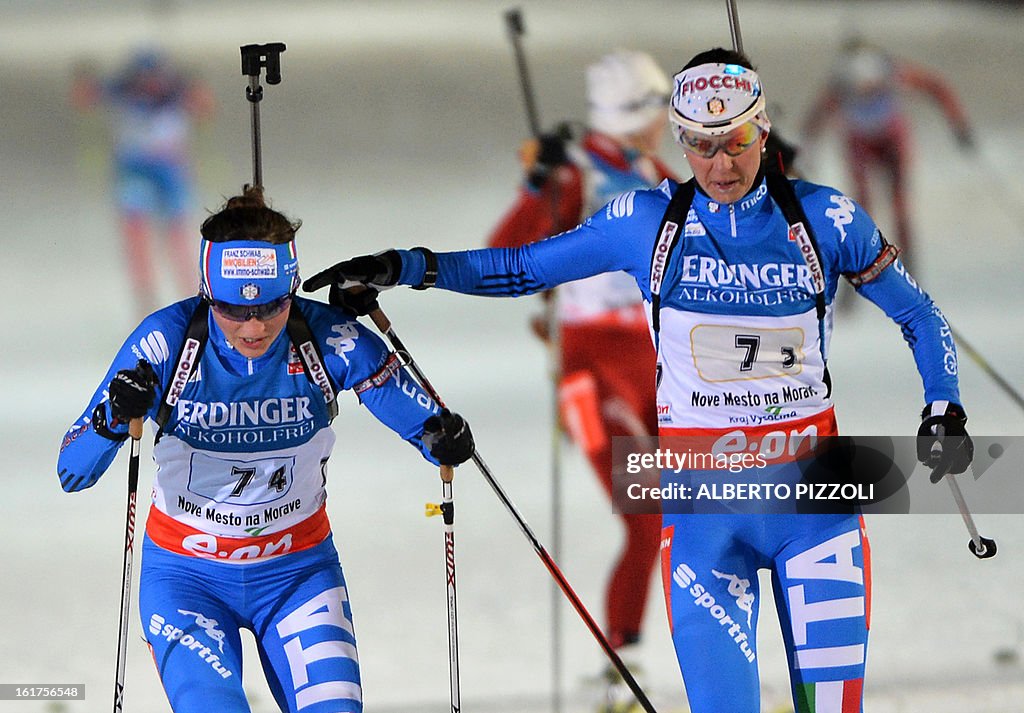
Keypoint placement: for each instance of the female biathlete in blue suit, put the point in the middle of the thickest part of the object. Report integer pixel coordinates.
(738, 271)
(241, 383)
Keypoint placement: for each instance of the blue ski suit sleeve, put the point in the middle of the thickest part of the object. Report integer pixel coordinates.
(849, 238)
(358, 360)
(614, 238)
(84, 454)
(924, 327)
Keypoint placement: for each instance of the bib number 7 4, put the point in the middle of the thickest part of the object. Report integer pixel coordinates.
(240, 482)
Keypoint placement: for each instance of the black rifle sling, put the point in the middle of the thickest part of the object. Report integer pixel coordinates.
(302, 339)
(670, 234)
(781, 190)
(189, 354)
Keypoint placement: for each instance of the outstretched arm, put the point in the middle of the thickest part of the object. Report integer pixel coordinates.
(941, 92)
(620, 236)
(513, 272)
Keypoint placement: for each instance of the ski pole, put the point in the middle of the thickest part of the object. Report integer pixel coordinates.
(135, 431)
(980, 547)
(555, 357)
(446, 508)
(516, 30)
(514, 23)
(564, 129)
(978, 359)
(734, 25)
(386, 328)
(254, 59)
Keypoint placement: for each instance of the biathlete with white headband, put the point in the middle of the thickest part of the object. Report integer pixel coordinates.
(241, 383)
(740, 305)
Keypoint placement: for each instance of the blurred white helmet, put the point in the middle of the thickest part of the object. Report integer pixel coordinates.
(863, 66)
(626, 91)
(714, 99)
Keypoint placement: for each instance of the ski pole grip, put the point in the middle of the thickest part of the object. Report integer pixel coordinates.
(514, 21)
(447, 473)
(380, 320)
(255, 58)
(135, 428)
(734, 25)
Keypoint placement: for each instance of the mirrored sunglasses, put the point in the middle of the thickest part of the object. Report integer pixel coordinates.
(733, 144)
(243, 313)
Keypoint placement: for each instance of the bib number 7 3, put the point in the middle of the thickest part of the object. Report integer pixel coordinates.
(731, 353)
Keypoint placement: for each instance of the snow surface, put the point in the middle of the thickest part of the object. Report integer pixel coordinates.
(397, 123)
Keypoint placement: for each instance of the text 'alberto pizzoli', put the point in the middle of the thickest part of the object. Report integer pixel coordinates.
(782, 492)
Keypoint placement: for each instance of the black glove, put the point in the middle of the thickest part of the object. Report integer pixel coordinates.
(132, 393)
(448, 438)
(379, 271)
(550, 155)
(353, 302)
(942, 440)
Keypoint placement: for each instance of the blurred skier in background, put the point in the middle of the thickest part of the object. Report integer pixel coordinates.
(865, 93)
(152, 108)
(597, 325)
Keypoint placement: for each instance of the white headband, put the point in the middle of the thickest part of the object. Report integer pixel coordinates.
(714, 99)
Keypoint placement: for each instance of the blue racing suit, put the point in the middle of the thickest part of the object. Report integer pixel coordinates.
(237, 535)
(151, 152)
(742, 351)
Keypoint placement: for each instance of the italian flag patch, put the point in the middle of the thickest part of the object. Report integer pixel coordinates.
(830, 696)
